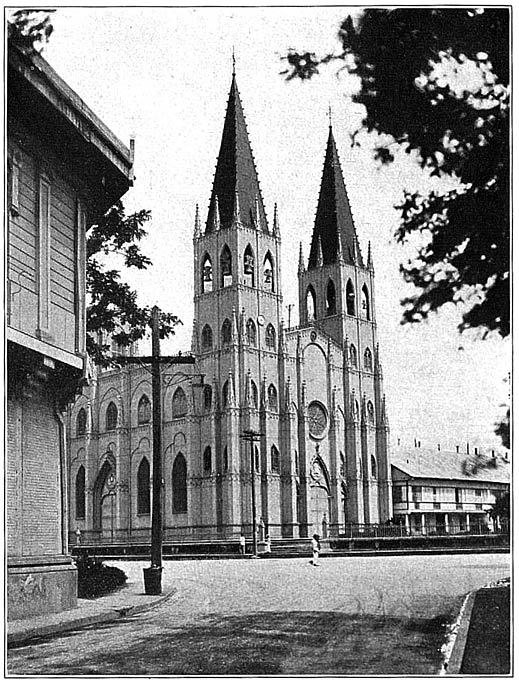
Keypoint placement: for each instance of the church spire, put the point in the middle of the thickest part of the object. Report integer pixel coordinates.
(333, 221)
(236, 180)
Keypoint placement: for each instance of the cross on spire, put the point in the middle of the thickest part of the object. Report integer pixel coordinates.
(233, 62)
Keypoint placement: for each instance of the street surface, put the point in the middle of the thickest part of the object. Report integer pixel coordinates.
(277, 616)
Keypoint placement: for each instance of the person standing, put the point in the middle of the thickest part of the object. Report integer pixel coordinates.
(78, 536)
(316, 547)
(242, 544)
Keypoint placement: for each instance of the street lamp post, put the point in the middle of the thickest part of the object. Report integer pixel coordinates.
(251, 436)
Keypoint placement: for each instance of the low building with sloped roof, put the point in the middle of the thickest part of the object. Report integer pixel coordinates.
(438, 491)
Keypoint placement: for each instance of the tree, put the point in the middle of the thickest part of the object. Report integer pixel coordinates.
(436, 81)
(31, 29)
(113, 306)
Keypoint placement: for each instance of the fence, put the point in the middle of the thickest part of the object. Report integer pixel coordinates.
(201, 533)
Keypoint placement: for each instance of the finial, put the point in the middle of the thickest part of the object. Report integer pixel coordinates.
(197, 222)
(370, 259)
(233, 62)
(216, 214)
(236, 208)
(275, 226)
(330, 114)
(319, 252)
(257, 217)
(301, 267)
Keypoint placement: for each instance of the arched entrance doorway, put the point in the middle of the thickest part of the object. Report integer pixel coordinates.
(104, 501)
(319, 517)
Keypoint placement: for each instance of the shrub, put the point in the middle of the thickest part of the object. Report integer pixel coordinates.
(96, 578)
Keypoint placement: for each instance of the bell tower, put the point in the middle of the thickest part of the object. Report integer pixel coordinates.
(238, 306)
(336, 296)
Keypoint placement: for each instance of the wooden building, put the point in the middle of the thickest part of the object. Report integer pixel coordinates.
(437, 491)
(65, 168)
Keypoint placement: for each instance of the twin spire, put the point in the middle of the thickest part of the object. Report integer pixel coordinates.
(236, 194)
(334, 237)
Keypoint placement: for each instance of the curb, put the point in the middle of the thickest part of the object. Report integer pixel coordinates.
(20, 638)
(454, 660)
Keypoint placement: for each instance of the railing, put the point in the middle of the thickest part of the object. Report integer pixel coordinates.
(399, 530)
(226, 532)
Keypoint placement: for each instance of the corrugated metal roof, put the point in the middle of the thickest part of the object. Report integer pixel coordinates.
(428, 463)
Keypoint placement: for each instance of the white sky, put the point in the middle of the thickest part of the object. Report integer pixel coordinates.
(164, 75)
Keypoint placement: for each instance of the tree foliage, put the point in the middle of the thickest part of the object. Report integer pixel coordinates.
(437, 82)
(31, 29)
(113, 307)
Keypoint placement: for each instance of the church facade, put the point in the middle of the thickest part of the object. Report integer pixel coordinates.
(312, 393)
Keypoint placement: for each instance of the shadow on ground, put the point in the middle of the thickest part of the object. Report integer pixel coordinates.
(265, 643)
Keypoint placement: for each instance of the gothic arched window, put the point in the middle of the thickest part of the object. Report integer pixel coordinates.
(80, 493)
(350, 298)
(310, 304)
(226, 267)
(331, 301)
(373, 467)
(275, 464)
(256, 459)
(144, 410)
(272, 397)
(353, 356)
(254, 390)
(225, 394)
(248, 266)
(251, 332)
(365, 303)
(268, 273)
(371, 412)
(207, 338)
(207, 459)
(81, 421)
(270, 337)
(208, 397)
(226, 332)
(368, 360)
(143, 488)
(207, 274)
(111, 417)
(225, 459)
(179, 484)
(179, 404)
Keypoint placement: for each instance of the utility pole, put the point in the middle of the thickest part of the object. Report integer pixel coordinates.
(251, 436)
(153, 574)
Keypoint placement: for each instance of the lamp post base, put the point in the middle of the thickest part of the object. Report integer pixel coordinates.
(153, 580)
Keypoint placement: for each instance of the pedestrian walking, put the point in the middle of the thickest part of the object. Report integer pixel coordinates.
(242, 544)
(78, 536)
(316, 547)
(267, 544)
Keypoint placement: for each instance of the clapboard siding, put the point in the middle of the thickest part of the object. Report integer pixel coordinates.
(18, 268)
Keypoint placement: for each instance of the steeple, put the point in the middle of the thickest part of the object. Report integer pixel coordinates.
(333, 221)
(235, 179)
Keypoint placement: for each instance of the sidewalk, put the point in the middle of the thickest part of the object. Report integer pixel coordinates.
(129, 599)
(481, 637)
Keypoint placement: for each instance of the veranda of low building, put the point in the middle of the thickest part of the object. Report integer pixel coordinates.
(65, 169)
(444, 492)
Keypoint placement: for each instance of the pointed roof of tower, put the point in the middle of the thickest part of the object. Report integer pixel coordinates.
(333, 220)
(235, 178)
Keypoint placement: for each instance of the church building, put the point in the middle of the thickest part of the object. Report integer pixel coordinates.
(313, 393)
